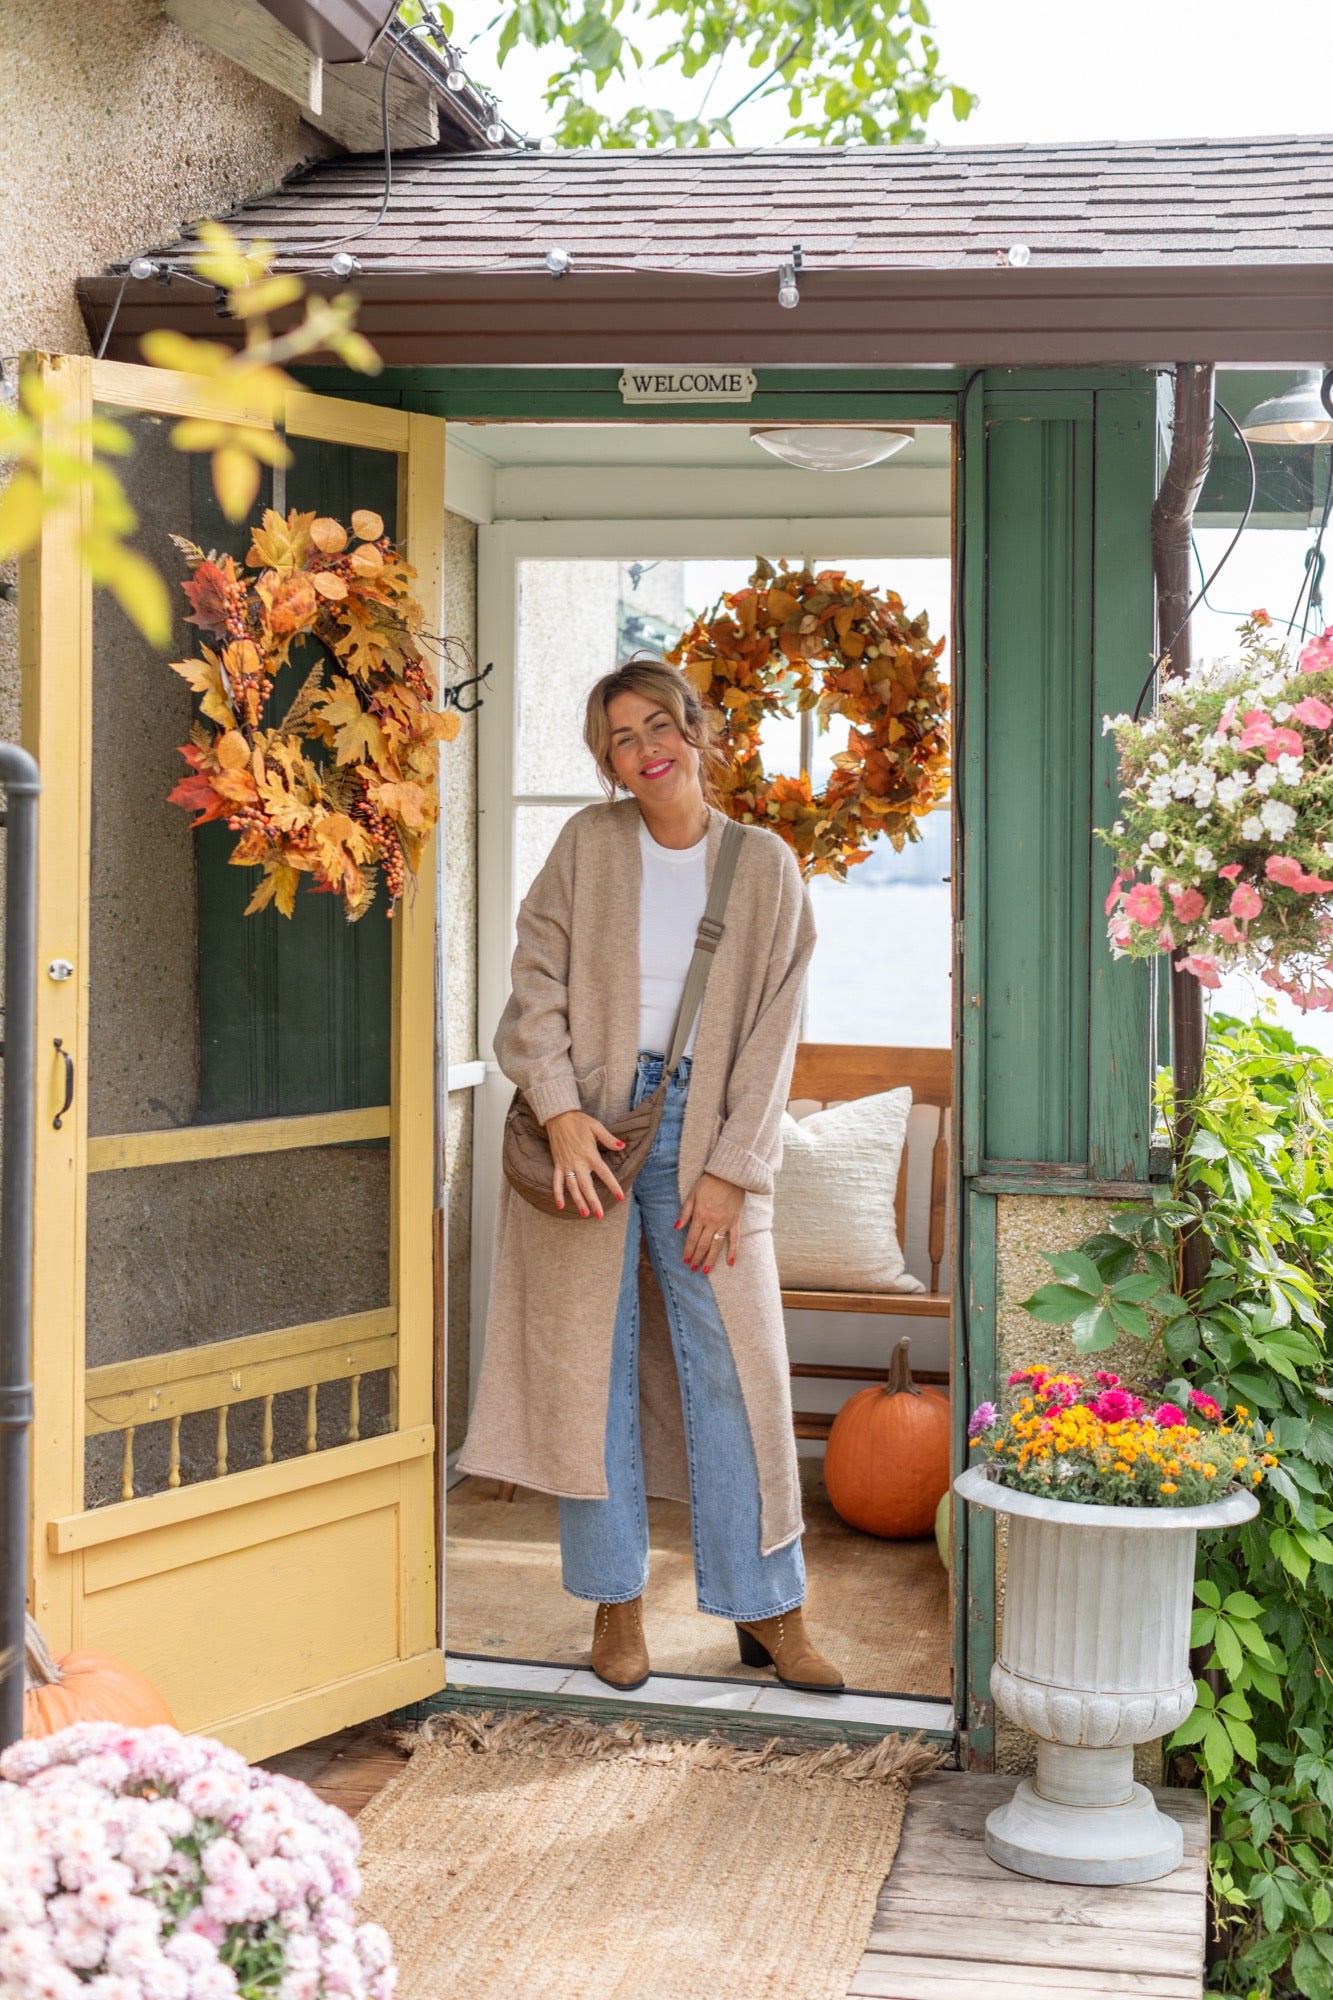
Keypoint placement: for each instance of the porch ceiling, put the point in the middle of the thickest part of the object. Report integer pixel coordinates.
(1209, 249)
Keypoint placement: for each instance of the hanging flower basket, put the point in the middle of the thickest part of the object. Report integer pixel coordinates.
(829, 643)
(341, 788)
(1225, 847)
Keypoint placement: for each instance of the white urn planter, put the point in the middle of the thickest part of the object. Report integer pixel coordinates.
(1094, 1659)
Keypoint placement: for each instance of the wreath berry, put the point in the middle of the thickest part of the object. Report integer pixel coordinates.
(345, 786)
(828, 643)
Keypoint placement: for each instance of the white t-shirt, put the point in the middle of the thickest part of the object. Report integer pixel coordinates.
(673, 893)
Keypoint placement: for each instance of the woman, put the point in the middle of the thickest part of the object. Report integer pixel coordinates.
(641, 1348)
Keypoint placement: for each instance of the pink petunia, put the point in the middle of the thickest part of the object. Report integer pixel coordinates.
(1203, 967)
(1317, 656)
(1225, 928)
(1143, 905)
(1284, 743)
(1114, 896)
(1230, 872)
(1314, 713)
(1188, 904)
(1226, 719)
(1257, 729)
(1169, 1417)
(1246, 902)
(1286, 870)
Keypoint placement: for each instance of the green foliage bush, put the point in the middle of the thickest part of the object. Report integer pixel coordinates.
(1257, 1181)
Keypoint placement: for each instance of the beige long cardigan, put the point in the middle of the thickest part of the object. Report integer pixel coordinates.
(568, 1038)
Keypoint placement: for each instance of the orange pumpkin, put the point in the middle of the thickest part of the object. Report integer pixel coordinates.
(83, 1687)
(887, 1459)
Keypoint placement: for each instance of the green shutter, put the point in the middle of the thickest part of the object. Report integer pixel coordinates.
(1059, 580)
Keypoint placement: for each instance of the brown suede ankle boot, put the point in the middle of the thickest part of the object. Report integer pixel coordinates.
(619, 1653)
(784, 1644)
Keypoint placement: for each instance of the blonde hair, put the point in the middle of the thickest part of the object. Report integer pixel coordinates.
(666, 688)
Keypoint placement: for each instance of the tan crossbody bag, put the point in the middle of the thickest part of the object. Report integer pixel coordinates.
(526, 1157)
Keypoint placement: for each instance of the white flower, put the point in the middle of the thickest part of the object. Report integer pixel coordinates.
(1278, 818)
(1159, 758)
(1265, 778)
(1282, 711)
(1157, 840)
(1184, 781)
(1289, 769)
(1252, 829)
(1159, 793)
(1203, 859)
(1204, 790)
(1229, 789)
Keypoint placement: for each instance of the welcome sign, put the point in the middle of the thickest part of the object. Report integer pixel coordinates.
(687, 385)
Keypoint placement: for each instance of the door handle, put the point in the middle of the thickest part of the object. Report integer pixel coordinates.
(68, 1061)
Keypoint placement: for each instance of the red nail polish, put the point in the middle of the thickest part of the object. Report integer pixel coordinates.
(620, 1197)
(707, 1269)
(583, 1211)
(675, 1225)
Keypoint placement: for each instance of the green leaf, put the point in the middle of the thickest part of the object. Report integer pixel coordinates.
(1073, 1268)
(1056, 1305)
(1206, 1145)
(1230, 1654)
(1131, 1320)
(1137, 1288)
(1093, 1330)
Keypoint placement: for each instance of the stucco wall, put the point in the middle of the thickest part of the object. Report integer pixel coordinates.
(115, 129)
(1025, 1227)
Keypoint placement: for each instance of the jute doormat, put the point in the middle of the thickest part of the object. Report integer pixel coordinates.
(531, 1858)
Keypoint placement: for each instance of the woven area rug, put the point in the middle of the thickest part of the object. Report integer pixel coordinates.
(523, 1857)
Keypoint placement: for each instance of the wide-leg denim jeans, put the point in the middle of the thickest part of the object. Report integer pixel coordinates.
(604, 1543)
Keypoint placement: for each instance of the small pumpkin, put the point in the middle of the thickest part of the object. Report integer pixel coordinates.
(83, 1687)
(887, 1459)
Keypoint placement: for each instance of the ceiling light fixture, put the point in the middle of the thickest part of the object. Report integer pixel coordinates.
(1302, 414)
(832, 447)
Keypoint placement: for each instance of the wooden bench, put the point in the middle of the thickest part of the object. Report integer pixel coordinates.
(834, 1073)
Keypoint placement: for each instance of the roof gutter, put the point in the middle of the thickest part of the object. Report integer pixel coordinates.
(968, 316)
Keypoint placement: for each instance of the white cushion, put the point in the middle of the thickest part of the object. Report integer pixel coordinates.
(833, 1221)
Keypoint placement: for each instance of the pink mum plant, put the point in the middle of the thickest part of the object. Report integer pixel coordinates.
(140, 1864)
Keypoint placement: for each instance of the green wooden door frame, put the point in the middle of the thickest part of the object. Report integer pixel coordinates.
(1053, 626)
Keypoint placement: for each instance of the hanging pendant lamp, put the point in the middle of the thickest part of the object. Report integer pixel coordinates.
(1300, 415)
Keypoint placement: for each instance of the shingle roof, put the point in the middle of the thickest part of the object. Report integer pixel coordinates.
(1188, 202)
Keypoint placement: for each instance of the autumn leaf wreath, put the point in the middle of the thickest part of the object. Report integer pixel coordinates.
(343, 788)
(831, 644)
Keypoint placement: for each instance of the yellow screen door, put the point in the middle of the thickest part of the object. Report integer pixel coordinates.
(234, 1463)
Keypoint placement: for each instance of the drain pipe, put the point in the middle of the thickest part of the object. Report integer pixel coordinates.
(1172, 528)
(18, 776)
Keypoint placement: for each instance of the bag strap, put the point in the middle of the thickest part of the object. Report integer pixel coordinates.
(705, 944)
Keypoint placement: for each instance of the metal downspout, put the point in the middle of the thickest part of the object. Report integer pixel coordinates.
(1172, 529)
(22, 784)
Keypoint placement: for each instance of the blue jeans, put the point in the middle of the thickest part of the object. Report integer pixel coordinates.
(604, 1543)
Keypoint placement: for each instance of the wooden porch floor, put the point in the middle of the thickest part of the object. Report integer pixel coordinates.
(950, 1924)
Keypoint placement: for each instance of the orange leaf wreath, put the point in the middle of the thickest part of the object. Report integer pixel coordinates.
(828, 643)
(344, 786)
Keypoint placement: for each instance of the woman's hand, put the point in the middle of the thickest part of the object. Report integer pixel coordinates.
(573, 1137)
(712, 1212)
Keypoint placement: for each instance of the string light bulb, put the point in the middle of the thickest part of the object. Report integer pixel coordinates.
(789, 292)
(546, 144)
(1017, 255)
(454, 79)
(495, 131)
(342, 263)
(558, 261)
(143, 267)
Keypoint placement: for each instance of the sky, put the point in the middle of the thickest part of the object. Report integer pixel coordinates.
(1045, 69)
